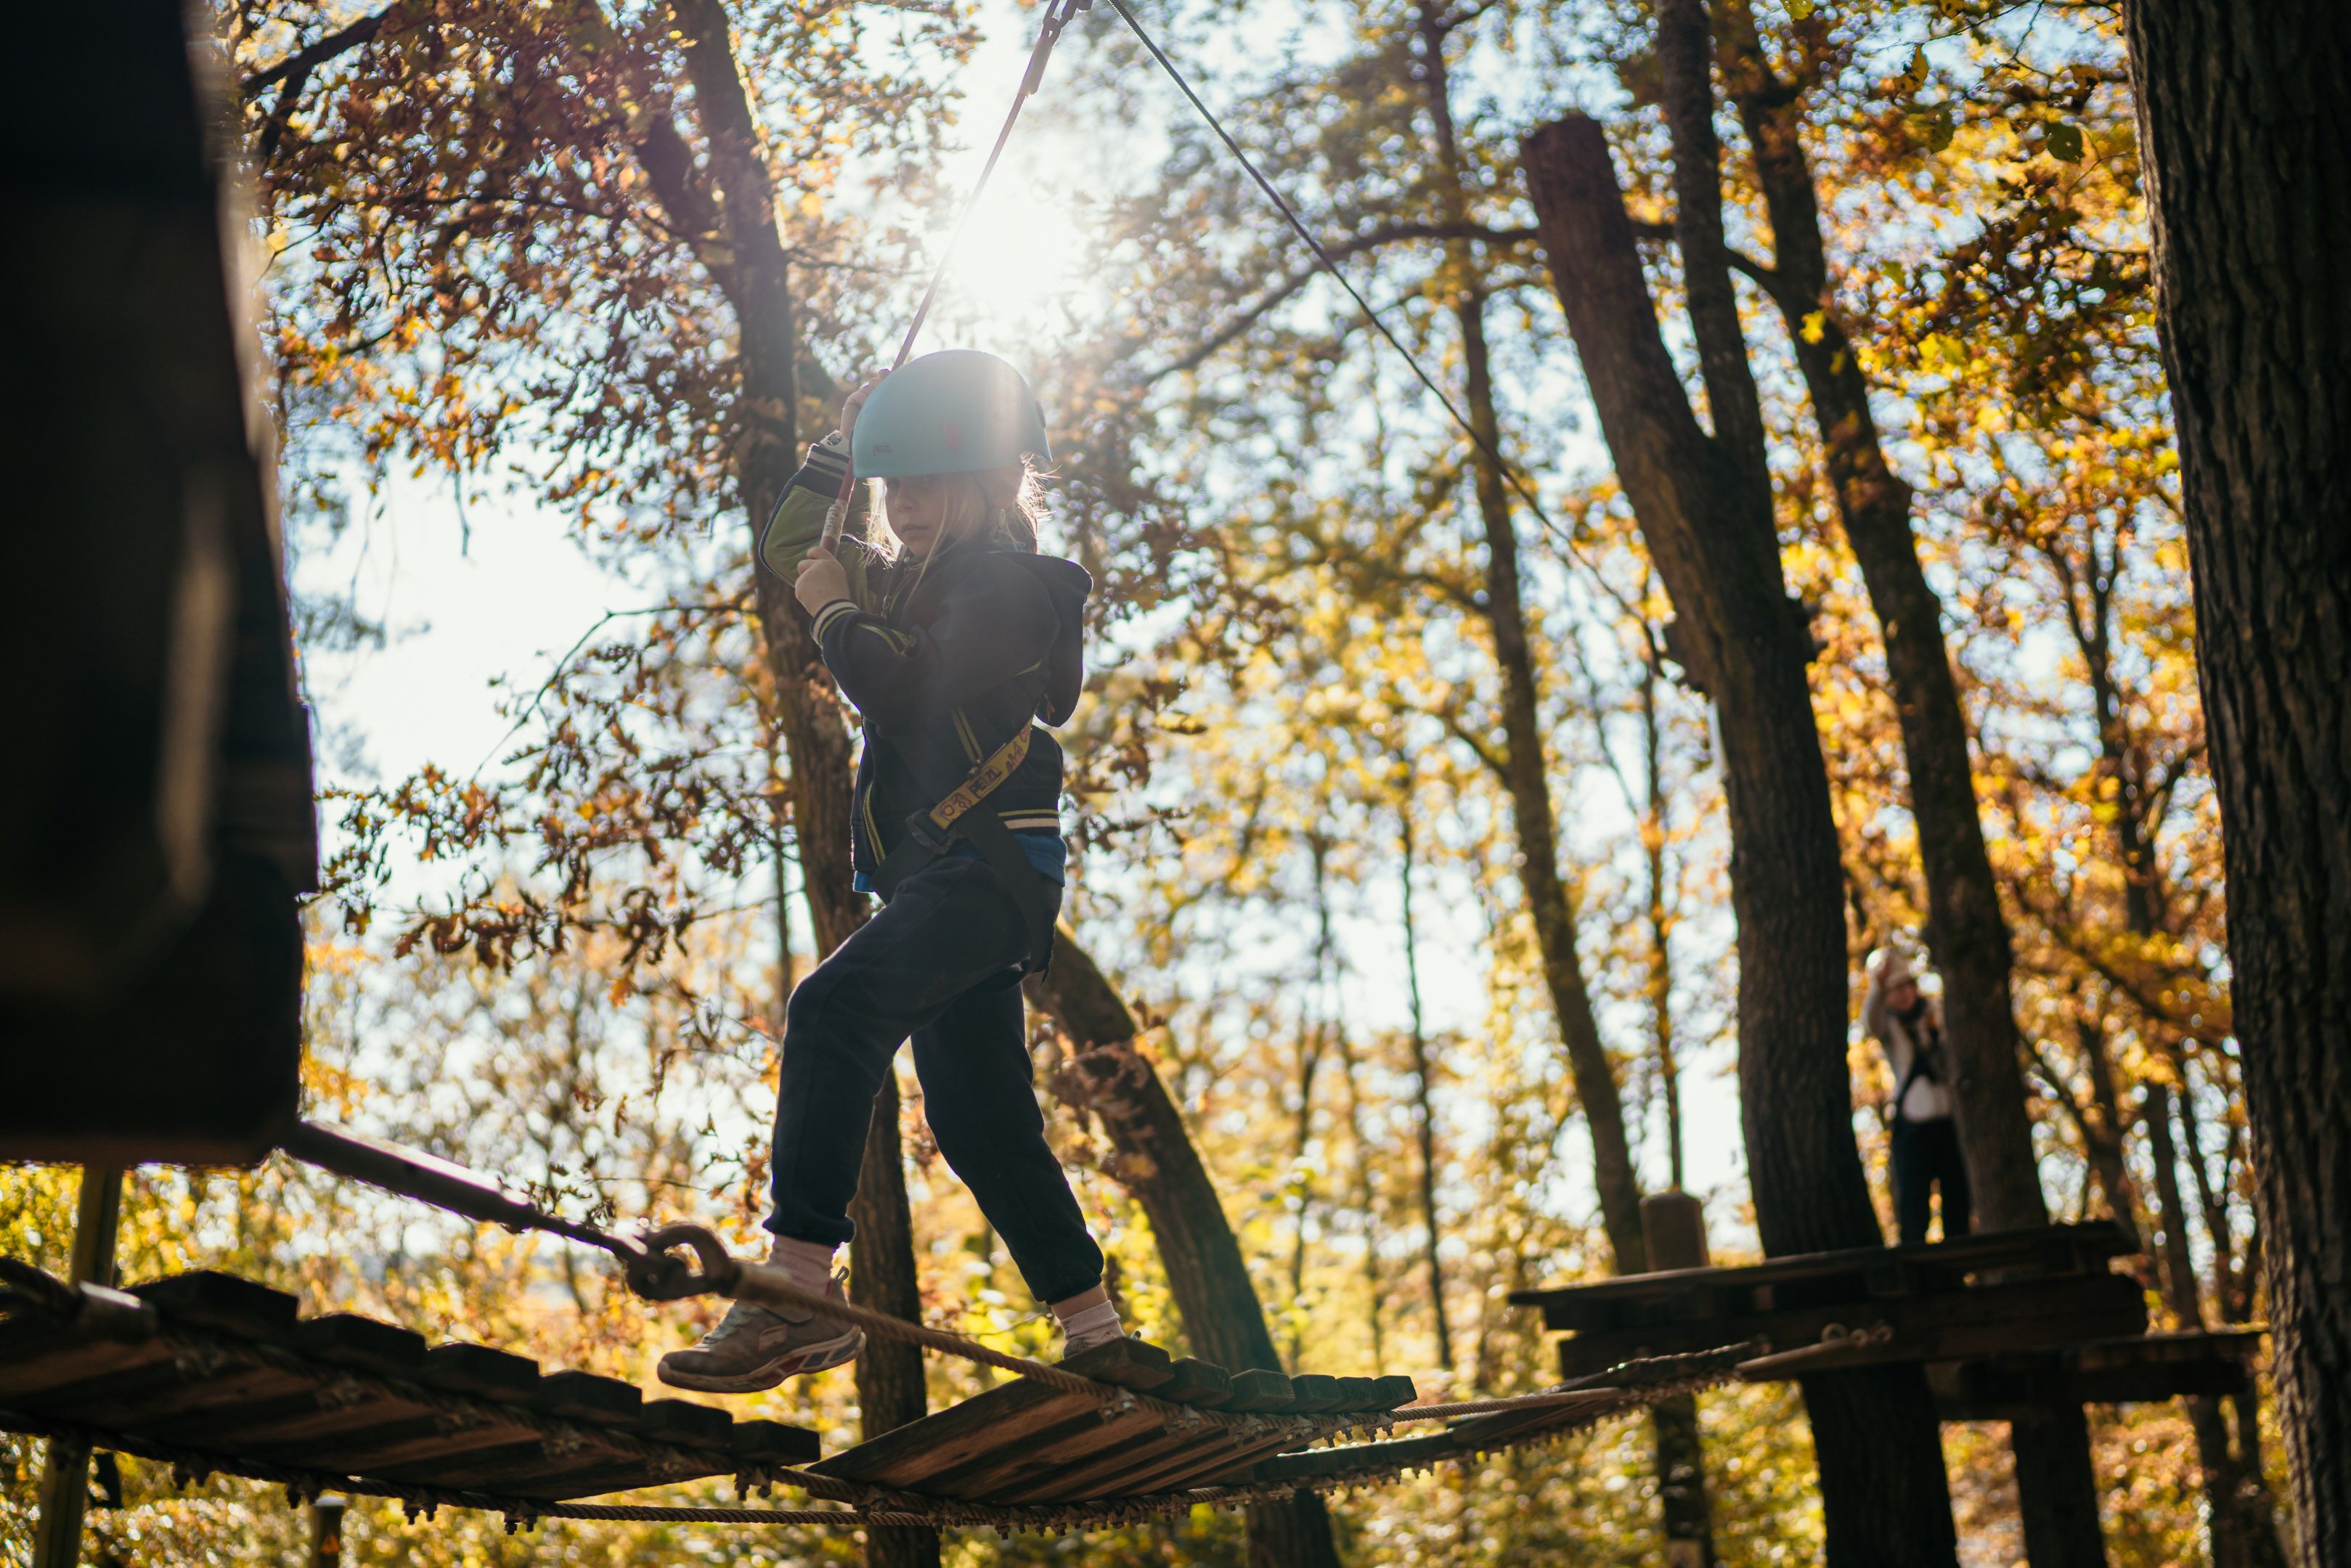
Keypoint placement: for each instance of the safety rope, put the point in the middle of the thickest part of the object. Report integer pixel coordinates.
(1059, 14)
(656, 1271)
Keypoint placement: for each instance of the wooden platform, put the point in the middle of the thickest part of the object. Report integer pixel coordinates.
(1189, 1425)
(209, 1366)
(2148, 1368)
(1994, 1294)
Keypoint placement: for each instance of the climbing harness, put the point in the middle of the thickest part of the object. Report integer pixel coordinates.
(932, 832)
(1059, 14)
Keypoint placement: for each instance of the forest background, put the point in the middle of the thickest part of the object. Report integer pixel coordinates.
(568, 895)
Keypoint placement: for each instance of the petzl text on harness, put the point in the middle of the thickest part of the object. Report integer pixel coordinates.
(932, 832)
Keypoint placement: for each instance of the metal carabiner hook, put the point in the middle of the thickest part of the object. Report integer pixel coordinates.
(655, 1272)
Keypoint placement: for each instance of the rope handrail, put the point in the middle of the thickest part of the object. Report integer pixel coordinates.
(655, 1270)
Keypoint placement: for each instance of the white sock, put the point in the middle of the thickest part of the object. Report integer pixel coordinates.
(809, 1263)
(1084, 1327)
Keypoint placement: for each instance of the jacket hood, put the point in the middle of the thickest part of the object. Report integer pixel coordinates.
(1067, 584)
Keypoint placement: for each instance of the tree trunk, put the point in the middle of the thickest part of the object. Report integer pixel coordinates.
(1424, 1107)
(1156, 1162)
(1524, 768)
(756, 279)
(1965, 927)
(1707, 515)
(2242, 1528)
(2248, 150)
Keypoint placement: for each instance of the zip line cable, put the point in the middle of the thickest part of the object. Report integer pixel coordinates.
(1059, 14)
(1371, 314)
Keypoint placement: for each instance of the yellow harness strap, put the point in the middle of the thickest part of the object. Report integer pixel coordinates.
(981, 781)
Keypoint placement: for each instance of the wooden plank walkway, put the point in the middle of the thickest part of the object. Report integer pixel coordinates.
(1985, 1294)
(213, 1373)
(1184, 1424)
(208, 1364)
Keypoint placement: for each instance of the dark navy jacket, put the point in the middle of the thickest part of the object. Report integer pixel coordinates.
(946, 665)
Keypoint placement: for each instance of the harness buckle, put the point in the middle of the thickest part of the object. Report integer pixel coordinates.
(920, 828)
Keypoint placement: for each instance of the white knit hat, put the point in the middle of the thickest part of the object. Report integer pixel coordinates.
(1889, 967)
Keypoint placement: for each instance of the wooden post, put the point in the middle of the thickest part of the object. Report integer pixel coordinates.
(327, 1531)
(1674, 1223)
(65, 1477)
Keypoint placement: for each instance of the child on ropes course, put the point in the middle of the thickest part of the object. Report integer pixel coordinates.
(950, 633)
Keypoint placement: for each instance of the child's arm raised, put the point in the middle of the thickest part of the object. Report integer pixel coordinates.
(798, 518)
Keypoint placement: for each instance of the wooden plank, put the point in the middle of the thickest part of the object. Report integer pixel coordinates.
(1219, 1468)
(2191, 1345)
(584, 1397)
(1312, 1464)
(295, 1434)
(1146, 1470)
(183, 1407)
(2077, 1246)
(422, 1455)
(481, 1372)
(1197, 1382)
(1459, 1441)
(1313, 1394)
(1144, 1460)
(1210, 1462)
(1258, 1389)
(682, 1421)
(223, 1302)
(2020, 1315)
(954, 1435)
(38, 1362)
(1035, 1458)
(1128, 1363)
(557, 1486)
(578, 1463)
(772, 1443)
(1143, 1464)
(1096, 1474)
(948, 1441)
(363, 1344)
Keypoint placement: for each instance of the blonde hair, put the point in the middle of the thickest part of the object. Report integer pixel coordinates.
(1011, 499)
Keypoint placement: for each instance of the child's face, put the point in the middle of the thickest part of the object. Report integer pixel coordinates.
(919, 509)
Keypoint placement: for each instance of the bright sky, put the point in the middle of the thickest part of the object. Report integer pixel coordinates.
(508, 595)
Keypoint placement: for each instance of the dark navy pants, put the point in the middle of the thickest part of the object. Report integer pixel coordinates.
(1926, 1157)
(939, 963)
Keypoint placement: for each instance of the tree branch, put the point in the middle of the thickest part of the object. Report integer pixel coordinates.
(295, 67)
(1291, 282)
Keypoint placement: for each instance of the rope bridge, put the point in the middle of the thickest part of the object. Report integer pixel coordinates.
(211, 1373)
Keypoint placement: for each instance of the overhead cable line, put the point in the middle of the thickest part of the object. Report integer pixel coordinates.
(1371, 314)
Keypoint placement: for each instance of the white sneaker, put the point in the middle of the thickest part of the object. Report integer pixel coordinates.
(757, 1347)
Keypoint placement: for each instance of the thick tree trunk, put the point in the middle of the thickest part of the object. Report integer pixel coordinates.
(1155, 1160)
(1710, 528)
(2248, 148)
(1965, 926)
(756, 277)
(1526, 774)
